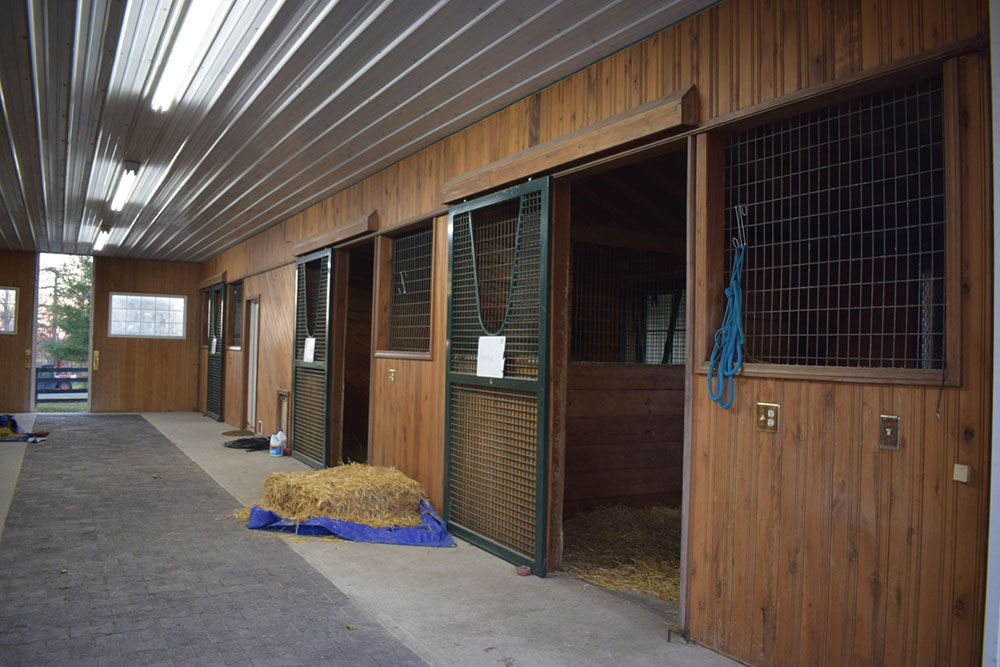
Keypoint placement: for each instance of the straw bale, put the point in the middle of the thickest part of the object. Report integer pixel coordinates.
(373, 495)
(625, 548)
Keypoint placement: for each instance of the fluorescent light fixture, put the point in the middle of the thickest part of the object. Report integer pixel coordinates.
(125, 185)
(201, 22)
(103, 235)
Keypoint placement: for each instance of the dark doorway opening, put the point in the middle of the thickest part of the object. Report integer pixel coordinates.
(625, 382)
(357, 353)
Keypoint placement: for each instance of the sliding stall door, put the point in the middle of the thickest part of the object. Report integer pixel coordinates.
(496, 427)
(311, 367)
(215, 384)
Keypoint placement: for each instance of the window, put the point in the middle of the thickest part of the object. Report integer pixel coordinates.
(8, 310)
(147, 315)
(234, 320)
(845, 227)
(410, 265)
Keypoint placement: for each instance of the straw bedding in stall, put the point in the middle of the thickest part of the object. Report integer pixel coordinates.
(625, 548)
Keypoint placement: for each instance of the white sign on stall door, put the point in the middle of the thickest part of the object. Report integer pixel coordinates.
(214, 342)
(489, 361)
(309, 350)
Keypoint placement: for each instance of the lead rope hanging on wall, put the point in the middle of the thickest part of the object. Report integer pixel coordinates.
(727, 355)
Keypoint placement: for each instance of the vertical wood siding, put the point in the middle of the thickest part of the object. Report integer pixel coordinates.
(811, 546)
(18, 269)
(276, 290)
(815, 546)
(144, 374)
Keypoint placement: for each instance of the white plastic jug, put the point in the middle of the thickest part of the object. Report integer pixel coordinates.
(278, 442)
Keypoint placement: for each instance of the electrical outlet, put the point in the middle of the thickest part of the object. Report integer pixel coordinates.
(767, 417)
(888, 432)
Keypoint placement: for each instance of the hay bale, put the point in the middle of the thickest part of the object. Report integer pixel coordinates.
(373, 495)
(625, 548)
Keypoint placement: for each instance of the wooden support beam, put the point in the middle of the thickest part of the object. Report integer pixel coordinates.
(213, 279)
(616, 133)
(356, 227)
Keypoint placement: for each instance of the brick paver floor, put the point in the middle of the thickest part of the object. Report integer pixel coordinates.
(119, 550)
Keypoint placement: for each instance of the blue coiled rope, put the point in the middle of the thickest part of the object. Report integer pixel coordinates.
(727, 355)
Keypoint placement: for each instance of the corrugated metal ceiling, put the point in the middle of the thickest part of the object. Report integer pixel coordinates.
(327, 93)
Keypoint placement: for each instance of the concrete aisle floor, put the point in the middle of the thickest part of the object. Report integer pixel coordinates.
(455, 606)
(119, 550)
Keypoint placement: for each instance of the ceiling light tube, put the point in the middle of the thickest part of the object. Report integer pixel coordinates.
(201, 22)
(103, 235)
(125, 185)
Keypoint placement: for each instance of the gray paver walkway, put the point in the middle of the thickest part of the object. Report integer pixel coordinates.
(156, 570)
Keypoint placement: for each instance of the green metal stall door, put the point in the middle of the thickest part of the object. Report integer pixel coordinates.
(311, 368)
(215, 380)
(497, 429)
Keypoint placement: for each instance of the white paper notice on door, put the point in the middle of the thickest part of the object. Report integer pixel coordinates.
(489, 362)
(214, 343)
(309, 350)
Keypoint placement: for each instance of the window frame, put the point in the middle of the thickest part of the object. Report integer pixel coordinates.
(383, 288)
(710, 241)
(111, 311)
(17, 307)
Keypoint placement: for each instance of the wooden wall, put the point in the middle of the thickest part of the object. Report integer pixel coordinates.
(810, 546)
(18, 269)
(624, 436)
(234, 399)
(144, 374)
(276, 290)
(816, 546)
(408, 410)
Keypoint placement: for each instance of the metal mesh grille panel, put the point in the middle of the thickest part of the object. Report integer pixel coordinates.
(628, 306)
(496, 282)
(309, 414)
(493, 464)
(410, 304)
(845, 262)
(213, 388)
(311, 306)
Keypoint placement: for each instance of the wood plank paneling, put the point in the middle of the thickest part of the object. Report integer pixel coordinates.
(859, 555)
(408, 406)
(624, 434)
(234, 409)
(18, 269)
(144, 374)
(276, 290)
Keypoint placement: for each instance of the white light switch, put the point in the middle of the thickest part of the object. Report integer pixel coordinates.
(961, 473)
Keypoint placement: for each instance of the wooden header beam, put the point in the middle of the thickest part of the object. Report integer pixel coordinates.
(661, 115)
(213, 279)
(356, 227)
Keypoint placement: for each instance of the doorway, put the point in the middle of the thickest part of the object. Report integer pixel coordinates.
(61, 373)
(356, 359)
(626, 370)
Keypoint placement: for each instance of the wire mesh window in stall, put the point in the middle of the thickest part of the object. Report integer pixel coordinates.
(235, 318)
(845, 262)
(628, 306)
(410, 301)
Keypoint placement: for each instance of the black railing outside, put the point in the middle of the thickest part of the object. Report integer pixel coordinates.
(54, 385)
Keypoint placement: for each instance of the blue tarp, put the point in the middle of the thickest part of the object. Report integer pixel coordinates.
(431, 533)
(8, 421)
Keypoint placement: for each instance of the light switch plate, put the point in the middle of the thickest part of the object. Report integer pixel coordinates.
(961, 473)
(767, 417)
(888, 432)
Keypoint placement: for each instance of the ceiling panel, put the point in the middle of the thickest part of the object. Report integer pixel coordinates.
(292, 103)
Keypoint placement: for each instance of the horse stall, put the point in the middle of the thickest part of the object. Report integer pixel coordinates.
(625, 382)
